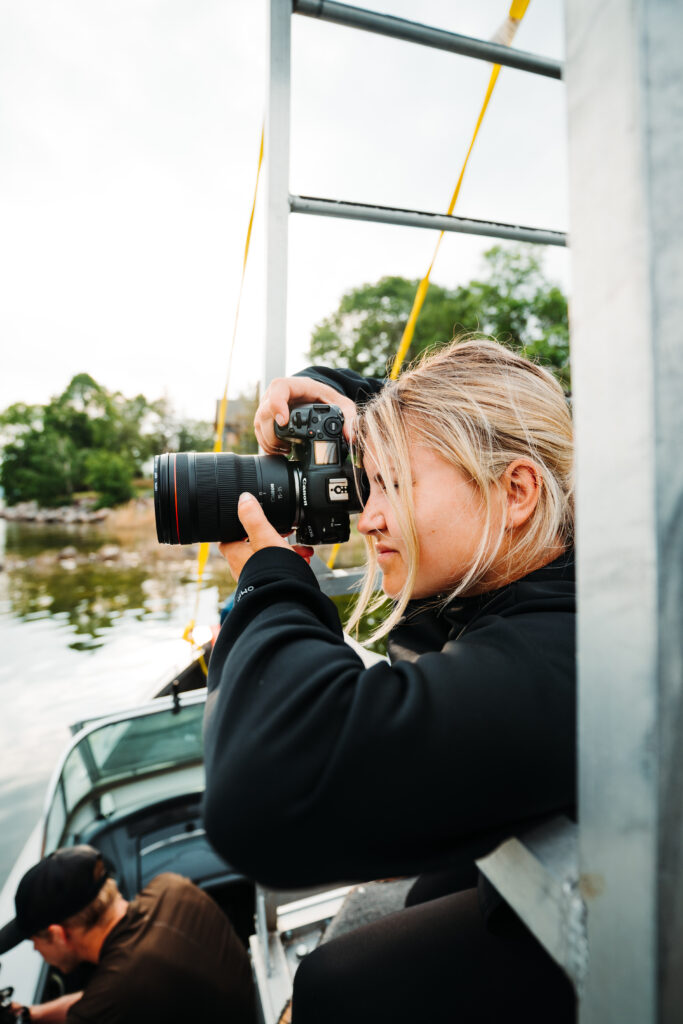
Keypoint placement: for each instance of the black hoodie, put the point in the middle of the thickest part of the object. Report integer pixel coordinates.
(319, 769)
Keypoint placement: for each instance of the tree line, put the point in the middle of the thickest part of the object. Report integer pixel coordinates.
(513, 302)
(88, 439)
(92, 439)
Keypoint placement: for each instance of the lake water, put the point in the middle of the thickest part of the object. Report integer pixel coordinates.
(82, 636)
(91, 621)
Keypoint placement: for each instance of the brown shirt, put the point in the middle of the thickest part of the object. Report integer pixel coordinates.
(173, 957)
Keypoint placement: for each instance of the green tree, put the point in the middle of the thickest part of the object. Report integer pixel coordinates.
(111, 475)
(513, 302)
(194, 436)
(42, 466)
(87, 437)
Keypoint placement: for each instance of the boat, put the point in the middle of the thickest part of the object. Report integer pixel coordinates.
(131, 784)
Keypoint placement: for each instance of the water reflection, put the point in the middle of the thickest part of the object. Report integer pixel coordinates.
(89, 599)
(83, 634)
(32, 539)
(85, 581)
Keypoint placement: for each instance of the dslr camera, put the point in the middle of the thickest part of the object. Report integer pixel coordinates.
(312, 492)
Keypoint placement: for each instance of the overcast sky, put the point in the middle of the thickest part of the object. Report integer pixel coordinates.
(129, 135)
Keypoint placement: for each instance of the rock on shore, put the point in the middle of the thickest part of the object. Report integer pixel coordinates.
(31, 512)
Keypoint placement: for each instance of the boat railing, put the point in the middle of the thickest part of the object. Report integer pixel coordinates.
(123, 746)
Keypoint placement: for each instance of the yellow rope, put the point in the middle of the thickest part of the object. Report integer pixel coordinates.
(203, 554)
(517, 11)
(507, 31)
(505, 34)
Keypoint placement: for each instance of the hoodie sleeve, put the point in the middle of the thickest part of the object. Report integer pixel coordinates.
(359, 389)
(319, 769)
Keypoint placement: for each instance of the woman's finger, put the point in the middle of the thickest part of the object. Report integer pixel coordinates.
(285, 392)
(260, 532)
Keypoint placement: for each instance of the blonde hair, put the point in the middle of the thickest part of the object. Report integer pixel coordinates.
(93, 913)
(479, 406)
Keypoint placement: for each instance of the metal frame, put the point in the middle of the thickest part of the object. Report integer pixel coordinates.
(278, 200)
(279, 34)
(538, 874)
(606, 898)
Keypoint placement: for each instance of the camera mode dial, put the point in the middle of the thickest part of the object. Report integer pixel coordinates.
(311, 421)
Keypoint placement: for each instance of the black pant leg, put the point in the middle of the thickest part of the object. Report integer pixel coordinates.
(433, 962)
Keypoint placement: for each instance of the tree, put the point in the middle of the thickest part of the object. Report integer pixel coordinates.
(87, 438)
(194, 436)
(41, 466)
(514, 302)
(111, 475)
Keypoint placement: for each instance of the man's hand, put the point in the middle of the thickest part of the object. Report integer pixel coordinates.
(285, 392)
(260, 534)
(55, 1011)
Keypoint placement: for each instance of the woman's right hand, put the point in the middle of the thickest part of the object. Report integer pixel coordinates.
(283, 394)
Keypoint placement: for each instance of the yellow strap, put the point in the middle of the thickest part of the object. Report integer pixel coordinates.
(518, 9)
(218, 443)
(517, 12)
(333, 557)
(203, 554)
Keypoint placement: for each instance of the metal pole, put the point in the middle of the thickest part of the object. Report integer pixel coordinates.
(625, 86)
(414, 32)
(421, 219)
(277, 187)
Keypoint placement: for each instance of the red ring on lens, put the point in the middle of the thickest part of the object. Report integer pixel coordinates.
(175, 495)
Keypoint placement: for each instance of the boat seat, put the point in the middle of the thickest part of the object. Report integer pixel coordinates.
(169, 836)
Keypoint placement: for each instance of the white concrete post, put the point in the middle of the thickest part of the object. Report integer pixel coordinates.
(624, 78)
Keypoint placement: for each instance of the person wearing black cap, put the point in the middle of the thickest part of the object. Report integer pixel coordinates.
(170, 954)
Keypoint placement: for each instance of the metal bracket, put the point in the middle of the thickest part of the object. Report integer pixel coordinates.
(537, 874)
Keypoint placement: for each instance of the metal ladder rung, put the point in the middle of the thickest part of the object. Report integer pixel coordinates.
(423, 219)
(439, 39)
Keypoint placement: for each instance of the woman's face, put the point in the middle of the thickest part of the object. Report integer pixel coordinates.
(449, 517)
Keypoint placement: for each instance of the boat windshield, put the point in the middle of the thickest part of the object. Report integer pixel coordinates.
(121, 750)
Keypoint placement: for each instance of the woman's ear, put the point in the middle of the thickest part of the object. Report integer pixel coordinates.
(521, 484)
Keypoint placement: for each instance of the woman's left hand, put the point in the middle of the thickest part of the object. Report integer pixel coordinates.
(260, 534)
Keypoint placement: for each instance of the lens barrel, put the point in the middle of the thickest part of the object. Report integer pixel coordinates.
(196, 494)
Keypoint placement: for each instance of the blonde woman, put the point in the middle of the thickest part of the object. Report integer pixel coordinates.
(319, 770)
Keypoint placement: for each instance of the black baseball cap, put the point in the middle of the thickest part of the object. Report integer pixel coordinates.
(53, 890)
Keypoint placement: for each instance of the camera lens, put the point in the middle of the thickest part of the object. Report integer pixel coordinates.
(196, 494)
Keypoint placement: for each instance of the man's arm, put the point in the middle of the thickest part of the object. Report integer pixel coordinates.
(55, 1011)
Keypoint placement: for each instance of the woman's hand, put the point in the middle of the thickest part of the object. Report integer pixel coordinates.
(260, 534)
(285, 392)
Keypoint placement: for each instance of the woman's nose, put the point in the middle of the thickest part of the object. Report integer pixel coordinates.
(371, 518)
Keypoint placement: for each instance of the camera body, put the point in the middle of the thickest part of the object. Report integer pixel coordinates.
(196, 493)
(327, 484)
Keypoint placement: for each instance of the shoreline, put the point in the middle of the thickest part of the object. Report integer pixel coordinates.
(123, 536)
